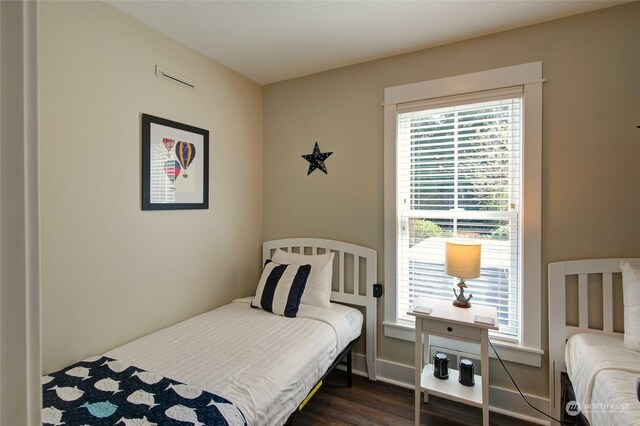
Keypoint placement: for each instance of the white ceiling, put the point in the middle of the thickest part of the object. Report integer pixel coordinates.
(269, 41)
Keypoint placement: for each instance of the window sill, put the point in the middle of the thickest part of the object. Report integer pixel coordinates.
(508, 351)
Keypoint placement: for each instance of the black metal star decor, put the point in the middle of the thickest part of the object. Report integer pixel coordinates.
(316, 159)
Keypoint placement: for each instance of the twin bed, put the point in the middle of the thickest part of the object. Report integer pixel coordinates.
(601, 369)
(233, 365)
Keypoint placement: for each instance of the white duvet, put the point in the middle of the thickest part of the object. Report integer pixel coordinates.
(264, 363)
(604, 373)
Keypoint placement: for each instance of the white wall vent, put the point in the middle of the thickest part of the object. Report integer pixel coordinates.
(174, 77)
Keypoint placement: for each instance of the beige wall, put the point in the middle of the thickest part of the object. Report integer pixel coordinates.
(111, 272)
(591, 145)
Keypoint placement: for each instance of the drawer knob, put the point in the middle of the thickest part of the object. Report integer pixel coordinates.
(449, 329)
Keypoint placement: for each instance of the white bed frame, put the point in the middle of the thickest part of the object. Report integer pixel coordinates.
(354, 297)
(559, 331)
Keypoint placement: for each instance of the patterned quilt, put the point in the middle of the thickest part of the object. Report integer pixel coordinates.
(104, 391)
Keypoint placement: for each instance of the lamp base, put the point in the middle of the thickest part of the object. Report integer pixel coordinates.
(461, 301)
(460, 304)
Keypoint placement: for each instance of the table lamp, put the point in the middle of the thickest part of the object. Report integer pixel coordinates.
(462, 260)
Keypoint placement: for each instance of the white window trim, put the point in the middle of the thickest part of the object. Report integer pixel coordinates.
(529, 76)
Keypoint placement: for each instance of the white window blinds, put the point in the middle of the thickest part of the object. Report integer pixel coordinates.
(458, 175)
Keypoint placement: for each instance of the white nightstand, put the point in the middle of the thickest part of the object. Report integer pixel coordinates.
(456, 323)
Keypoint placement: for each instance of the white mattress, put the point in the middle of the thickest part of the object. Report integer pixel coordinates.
(264, 363)
(604, 373)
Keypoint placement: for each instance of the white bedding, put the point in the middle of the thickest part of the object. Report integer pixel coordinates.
(604, 372)
(264, 363)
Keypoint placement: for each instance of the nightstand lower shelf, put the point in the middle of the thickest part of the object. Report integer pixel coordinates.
(451, 388)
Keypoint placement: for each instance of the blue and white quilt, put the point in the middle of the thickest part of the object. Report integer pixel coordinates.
(104, 391)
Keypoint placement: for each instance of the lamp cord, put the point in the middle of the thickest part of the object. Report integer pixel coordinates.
(516, 385)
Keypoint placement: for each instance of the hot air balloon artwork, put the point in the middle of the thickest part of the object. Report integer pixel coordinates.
(168, 143)
(185, 152)
(175, 165)
(172, 170)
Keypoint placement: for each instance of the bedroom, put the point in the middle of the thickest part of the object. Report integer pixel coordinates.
(104, 275)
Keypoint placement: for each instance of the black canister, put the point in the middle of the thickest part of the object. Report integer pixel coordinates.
(441, 366)
(465, 376)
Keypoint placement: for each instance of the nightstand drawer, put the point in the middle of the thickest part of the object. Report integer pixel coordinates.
(451, 330)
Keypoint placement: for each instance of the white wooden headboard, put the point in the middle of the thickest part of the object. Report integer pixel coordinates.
(559, 331)
(354, 294)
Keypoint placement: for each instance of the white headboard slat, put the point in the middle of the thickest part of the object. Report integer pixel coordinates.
(607, 301)
(356, 275)
(583, 297)
(341, 273)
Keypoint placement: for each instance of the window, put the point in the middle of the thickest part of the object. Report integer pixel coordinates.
(463, 160)
(458, 176)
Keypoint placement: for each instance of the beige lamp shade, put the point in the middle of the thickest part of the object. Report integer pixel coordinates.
(462, 259)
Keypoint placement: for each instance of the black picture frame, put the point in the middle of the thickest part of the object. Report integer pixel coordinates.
(168, 168)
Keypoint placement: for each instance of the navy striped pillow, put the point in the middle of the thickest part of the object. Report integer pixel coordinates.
(280, 288)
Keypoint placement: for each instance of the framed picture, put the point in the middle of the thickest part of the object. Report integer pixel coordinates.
(175, 165)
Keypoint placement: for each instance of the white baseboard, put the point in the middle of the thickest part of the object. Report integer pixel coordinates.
(503, 401)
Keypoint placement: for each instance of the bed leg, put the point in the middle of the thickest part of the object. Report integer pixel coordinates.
(349, 370)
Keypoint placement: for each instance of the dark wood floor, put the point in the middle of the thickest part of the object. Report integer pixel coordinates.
(377, 403)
